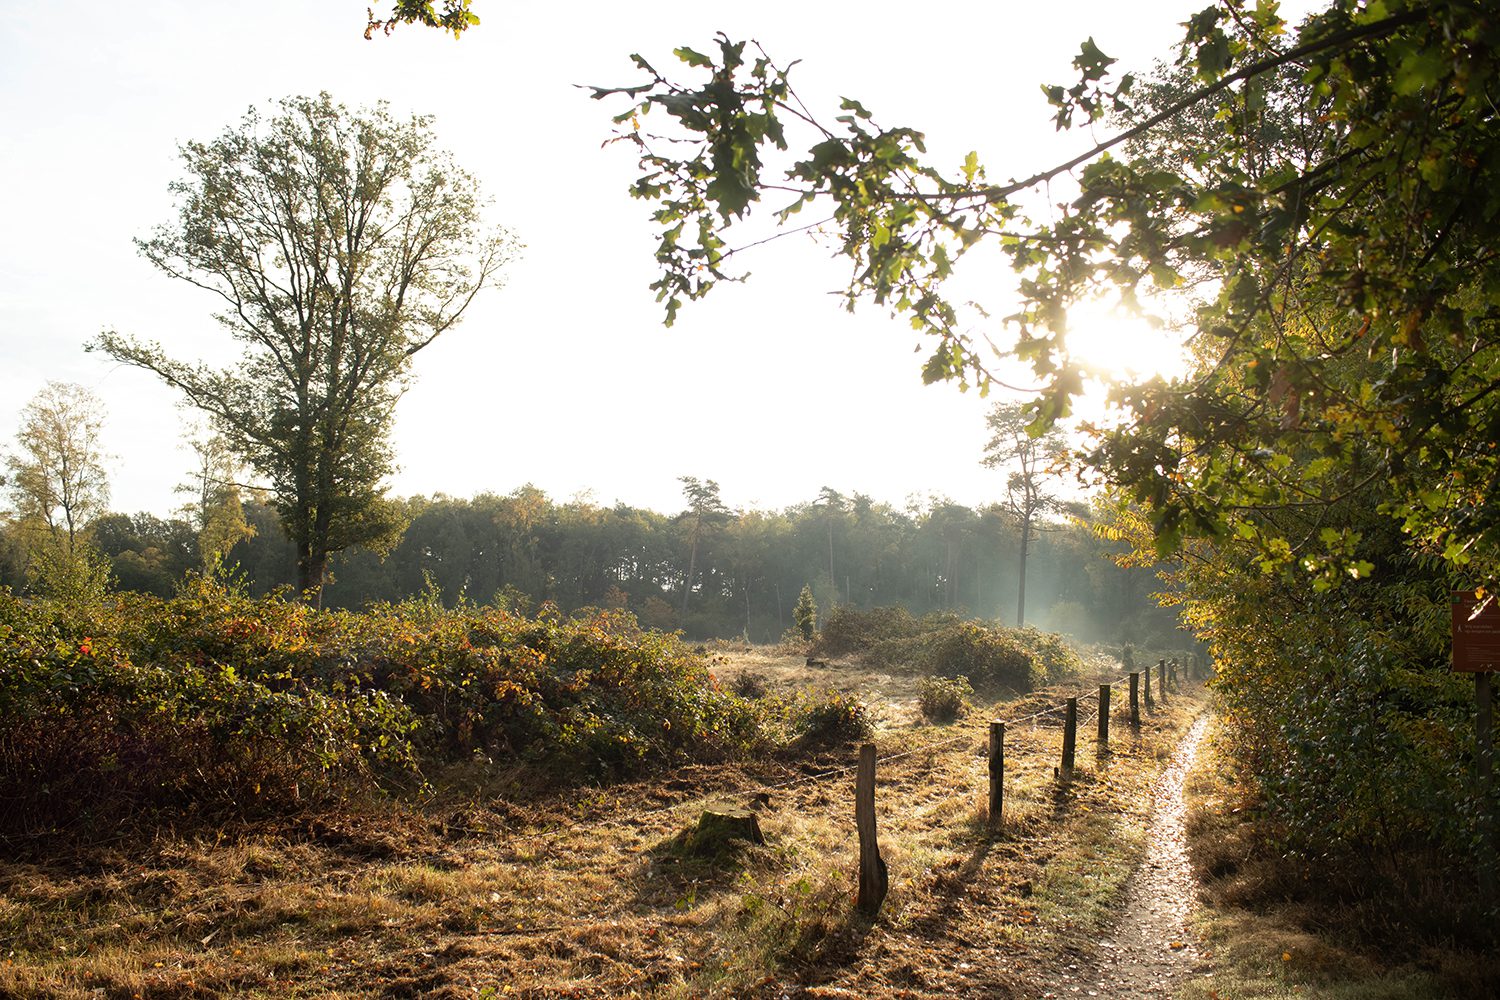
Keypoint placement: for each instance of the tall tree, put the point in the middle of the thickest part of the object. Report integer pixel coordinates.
(340, 244)
(213, 493)
(56, 477)
(1032, 460)
(705, 511)
(833, 505)
(58, 486)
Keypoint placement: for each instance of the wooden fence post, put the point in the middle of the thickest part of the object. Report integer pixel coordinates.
(873, 878)
(1070, 736)
(1135, 699)
(1103, 742)
(1147, 678)
(1161, 676)
(997, 771)
(1172, 672)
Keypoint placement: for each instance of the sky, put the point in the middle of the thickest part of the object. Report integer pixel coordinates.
(565, 377)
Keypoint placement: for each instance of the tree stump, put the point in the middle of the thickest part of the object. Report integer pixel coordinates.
(719, 825)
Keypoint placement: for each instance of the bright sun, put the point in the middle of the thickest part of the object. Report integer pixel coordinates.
(1115, 344)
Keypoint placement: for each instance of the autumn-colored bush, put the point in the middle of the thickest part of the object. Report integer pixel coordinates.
(830, 718)
(89, 732)
(943, 699)
(214, 701)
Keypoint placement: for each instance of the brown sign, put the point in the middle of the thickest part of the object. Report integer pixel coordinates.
(1476, 638)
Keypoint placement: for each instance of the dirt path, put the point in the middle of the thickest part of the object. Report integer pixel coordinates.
(1151, 951)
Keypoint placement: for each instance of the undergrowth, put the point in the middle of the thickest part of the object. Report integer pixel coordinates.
(214, 703)
(1344, 925)
(990, 655)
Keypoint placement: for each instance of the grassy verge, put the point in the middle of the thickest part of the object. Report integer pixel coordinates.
(586, 892)
(1275, 933)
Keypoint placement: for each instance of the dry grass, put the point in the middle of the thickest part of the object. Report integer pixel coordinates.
(892, 695)
(475, 895)
(1272, 933)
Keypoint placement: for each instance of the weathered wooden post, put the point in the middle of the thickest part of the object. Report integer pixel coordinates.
(1135, 699)
(1102, 746)
(997, 771)
(1070, 736)
(1172, 674)
(1161, 676)
(873, 878)
(1147, 678)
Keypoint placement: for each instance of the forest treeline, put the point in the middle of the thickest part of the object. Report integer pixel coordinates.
(706, 570)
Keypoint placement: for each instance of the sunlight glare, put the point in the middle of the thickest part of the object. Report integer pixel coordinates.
(1116, 345)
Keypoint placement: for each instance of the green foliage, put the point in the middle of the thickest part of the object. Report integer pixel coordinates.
(1339, 219)
(805, 614)
(455, 17)
(1343, 708)
(944, 699)
(342, 244)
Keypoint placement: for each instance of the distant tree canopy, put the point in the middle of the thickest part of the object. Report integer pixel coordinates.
(340, 244)
(747, 578)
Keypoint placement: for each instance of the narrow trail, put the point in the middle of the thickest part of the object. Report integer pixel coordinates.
(1151, 952)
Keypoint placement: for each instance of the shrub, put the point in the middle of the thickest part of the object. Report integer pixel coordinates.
(943, 699)
(215, 701)
(847, 629)
(832, 718)
(946, 645)
(990, 657)
(750, 685)
(92, 735)
(1056, 659)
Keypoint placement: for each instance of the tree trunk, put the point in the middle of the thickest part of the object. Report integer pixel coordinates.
(1021, 596)
(687, 585)
(312, 567)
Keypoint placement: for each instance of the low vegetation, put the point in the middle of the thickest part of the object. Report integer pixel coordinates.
(1282, 926)
(214, 703)
(991, 656)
